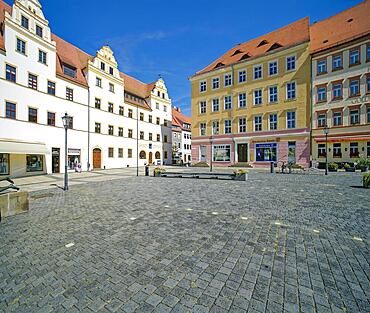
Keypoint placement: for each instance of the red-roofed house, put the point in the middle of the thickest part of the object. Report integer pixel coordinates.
(181, 137)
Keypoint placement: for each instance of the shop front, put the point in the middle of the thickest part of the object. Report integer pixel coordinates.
(74, 158)
(266, 152)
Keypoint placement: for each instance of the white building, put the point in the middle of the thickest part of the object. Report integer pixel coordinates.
(115, 117)
(181, 137)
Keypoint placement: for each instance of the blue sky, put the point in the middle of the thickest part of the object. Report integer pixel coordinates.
(175, 38)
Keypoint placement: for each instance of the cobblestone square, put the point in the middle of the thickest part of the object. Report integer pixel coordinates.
(276, 243)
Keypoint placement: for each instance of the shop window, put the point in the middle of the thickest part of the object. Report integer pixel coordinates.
(291, 152)
(266, 152)
(74, 158)
(4, 164)
(35, 163)
(222, 153)
(337, 150)
(321, 150)
(353, 150)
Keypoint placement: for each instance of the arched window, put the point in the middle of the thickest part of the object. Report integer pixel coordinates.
(157, 155)
(142, 155)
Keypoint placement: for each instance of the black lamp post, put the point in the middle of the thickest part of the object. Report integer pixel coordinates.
(66, 121)
(326, 132)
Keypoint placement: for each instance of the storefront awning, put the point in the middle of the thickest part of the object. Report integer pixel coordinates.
(14, 147)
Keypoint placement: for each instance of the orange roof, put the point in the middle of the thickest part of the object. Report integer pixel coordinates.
(134, 86)
(287, 36)
(347, 25)
(3, 7)
(179, 119)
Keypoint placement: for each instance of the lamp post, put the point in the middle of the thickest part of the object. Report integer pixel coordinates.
(326, 132)
(137, 140)
(211, 140)
(66, 121)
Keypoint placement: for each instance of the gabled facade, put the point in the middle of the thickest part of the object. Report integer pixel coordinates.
(115, 117)
(181, 137)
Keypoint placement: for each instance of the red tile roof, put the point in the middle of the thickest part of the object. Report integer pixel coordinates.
(287, 36)
(134, 86)
(345, 26)
(179, 119)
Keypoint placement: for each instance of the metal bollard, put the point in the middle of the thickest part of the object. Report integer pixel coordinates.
(146, 170)
(272, 167)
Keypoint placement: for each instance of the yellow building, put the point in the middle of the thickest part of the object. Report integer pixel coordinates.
(340, 48)
(253, 103)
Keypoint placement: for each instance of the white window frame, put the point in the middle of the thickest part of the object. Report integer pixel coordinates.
(213, 105)
(277, 67)
(245, 100)
(277, 94)
(200, 107)
(231, 102)
(25, 46)
(231, 79)
(46, 57)
(277, 120)
(213, 127)
(228, 126)
(245, 73)
(254, 123)
(286, 62)
(254, 96)
(202, 83)
(213, 79)
(254, 69)
(295, 120)
(295, 90)
(200, 129)
(242, 125)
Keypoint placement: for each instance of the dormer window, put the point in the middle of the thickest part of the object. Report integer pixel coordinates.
(111, 70)
(102, 66)
(25, 22)
(262, 43)
(39, 31)
(236, 52)
(69, 70)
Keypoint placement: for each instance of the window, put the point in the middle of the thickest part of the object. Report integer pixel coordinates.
(24, 22)
(163, 96)
(110, 130)
(368, 53)
(337, 118)
(129, 153)
(165, 108)
(4, 164)
(51, 119)
(368, 83)
(227, 125)
(166, 154)
(21, 46)
(130, 113)
(158, 93)
(111, 70)
(158, 137)
(242, 76)
(110, 107)
(242, 125)
(258, 123)
(215, 127)
(353, 150)
(321, 120)
(290, 119)
(242, 100)
(69, 70)
(165, 123)
(32, 81)
(120, 131)
(130, 133)
(141, 135)
(354, 56)
(150, 136)
(337, 150)
(203, 86)
(290, 63)
(165, 138)
(337, 91)
(158, 121)
(98, 128)
(273, 94)
(157, 105)
(273, 68)
(11, 110)
(337, 62)
(141, 116)
(227, 102)
(150, 119)
(290, 91)
(321, 67)
(321, 150)
(203, 107)
(102, 66)
(368, 148)
(228, 80)
(69, 94)
(11, 73)
(70, 123)
(257, 97)
(257, 72)
(273, 121)
(32, 115)
(120, 152)
(98, 82)
(121, 110)
(97, 103)
(110, 152)
(266, 152)
(202, 129)
(321, 94)
(42, 57)
(354, 87)
(51, 88)
(111, 87)
(215, 82)
(215, 105)
(354, 115)
(35, 163)
(39, 31)
(222, 153)
(368, 114)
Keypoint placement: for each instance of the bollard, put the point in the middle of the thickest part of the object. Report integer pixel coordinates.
(146, 170)
(272, 167)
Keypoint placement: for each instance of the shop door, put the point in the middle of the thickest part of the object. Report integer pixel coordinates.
(55, 160)
(242, 153)
(150, 158)
(96, 159)
(203, 154)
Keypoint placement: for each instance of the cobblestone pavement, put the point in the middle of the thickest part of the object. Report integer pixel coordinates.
(277, 243)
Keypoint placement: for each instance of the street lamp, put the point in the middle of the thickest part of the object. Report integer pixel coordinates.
(326, 132)
(66, 122)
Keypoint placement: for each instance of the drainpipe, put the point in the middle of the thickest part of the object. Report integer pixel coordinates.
(137, 140)
(88, 129)
(311, 110)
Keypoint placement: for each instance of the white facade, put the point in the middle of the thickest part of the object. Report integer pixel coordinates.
(31, 143)
(181, 137)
